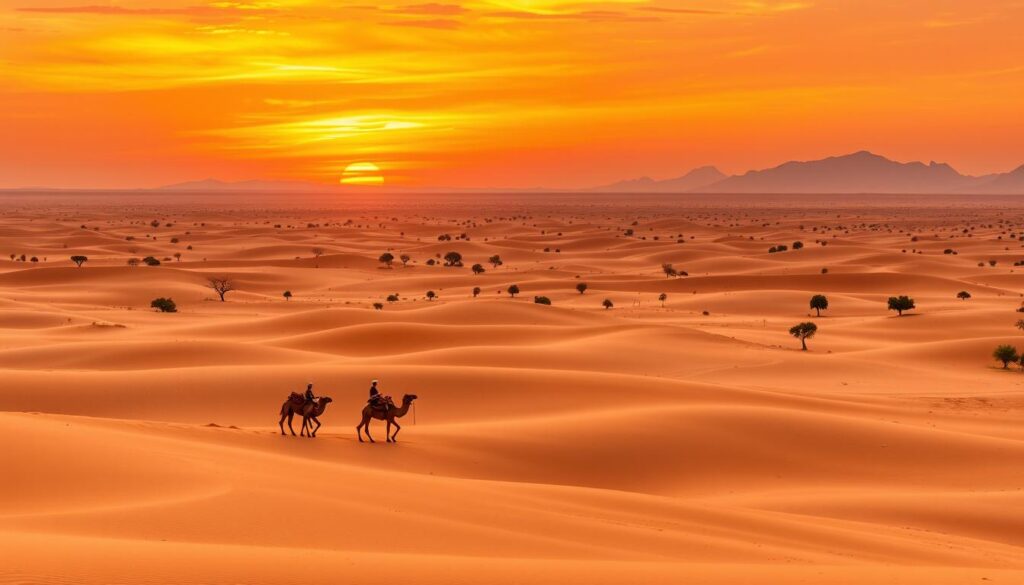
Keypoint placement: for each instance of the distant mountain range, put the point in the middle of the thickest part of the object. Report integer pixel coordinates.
(860, 172)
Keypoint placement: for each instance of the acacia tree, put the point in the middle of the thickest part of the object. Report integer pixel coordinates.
(803, 332)
(287, 295)
(963, 295)
(900, 304)
(1005, 354)
(79, 260)
(663, 297)
(164, 305)
(582, 287)
(495, 260)
(819, 303)
(405, 259)
(387, 258)
(476, 291)
(669, 270)
(220, 285)
(478, 269)
(318, 252)
(431, 295)
(513, 290)
(607, 304)
(453, 259)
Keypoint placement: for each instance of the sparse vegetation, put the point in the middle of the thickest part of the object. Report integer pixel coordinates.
(378, 306)
(803, 332)
(79, 260)
(819, 303)
(607, 304)
(164, 305)
(287, 295)
(963, 295)
(1006, 354)
(581, 287)
(900, 304)
(453, 259)
(542, 300)
(476, 291)
(663, 297)
(387, 258)
(495, 261)
(151, 261)
(478, 269)
(513, 290)
(220, 285)
(405, 258)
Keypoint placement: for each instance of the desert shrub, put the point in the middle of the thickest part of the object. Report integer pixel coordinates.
(513, 290)
(582, 287)
(78, 260)
(1005, 354)
(963, 295)
(542, 300)
(151, 261)
(164, 305)
(900, 304)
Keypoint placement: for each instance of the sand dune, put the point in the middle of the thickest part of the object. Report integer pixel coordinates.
(684, 440)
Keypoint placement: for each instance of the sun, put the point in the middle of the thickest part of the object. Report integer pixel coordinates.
(362, 173)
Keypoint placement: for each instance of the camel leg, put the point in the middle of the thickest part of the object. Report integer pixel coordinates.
(317, 421)
(387, 430)
(291, 414)
(280, 423)
(366, 428)
(398, 427)
(302, 433)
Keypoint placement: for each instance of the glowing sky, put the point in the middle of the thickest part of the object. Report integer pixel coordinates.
(516, 93)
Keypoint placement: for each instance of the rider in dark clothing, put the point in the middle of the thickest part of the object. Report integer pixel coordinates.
(309, 393)
(376, 399)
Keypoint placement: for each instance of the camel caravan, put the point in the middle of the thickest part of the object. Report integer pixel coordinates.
(310, 407)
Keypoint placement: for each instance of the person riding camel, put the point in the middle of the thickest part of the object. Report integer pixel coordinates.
(310, 397)
(377, 400)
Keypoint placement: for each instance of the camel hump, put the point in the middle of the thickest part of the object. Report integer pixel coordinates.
(296, 397)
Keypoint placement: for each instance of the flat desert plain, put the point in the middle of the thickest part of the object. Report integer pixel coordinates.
(684, 441)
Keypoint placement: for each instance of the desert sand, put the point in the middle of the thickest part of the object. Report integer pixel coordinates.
(689, 441)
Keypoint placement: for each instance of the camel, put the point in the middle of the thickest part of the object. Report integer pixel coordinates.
(389, 416)
(307, 411)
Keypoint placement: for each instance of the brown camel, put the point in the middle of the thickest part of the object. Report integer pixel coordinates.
(392, 413)
(308, 411)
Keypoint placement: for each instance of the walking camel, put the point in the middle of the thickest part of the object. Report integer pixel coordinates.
(308, 411)
(389, 415)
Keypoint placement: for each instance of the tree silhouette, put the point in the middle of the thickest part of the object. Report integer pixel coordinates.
(431, 295)
(1005, 354)
(79, 260)
(164, 305)
(405, 259)
(900, 304)
(1020, 324)
(607, 304)
(819, 303)
(513, 290)
(287, 295)
(542, 300)
(663, 297)
(387, 258)
(803, 332)
(453, 259)
(963, 295)
(478, 269)
(669, 270)
(220, 285)
(392, 298)
(318, 252)
(582, 287)
(476, 291)
(495, 261)
(151, 261)
(133, 262)
(378, 306)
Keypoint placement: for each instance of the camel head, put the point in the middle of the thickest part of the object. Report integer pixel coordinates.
(408, 398)
(326, 400)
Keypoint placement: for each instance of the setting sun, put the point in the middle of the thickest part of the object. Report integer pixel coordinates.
(362, 173)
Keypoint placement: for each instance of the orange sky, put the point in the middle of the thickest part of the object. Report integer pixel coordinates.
(516, 93)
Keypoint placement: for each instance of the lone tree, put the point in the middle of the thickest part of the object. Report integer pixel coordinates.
(819, 303)
(513, 290)
(478, 269)
(582, 287)
(405, 259)
(287, 295)
(476, 291)
(164, 305)
(392, 298)
(318, 252)
(220, 285)
(669, 270)
(453, 259)
(963, 295)
(431, 295)
(542, 300)
(151, 261)
(387, 258)
(803, 332)
(607, 304)
(378, 306)
(663, 297)
(79, 260)
(1005, 354)
(495, 261)
(900, 304)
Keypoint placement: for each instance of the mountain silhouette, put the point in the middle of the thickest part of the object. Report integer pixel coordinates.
(860, 172)
(693, 180)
